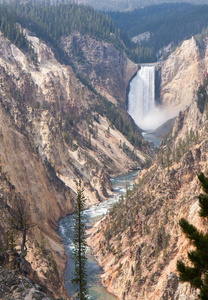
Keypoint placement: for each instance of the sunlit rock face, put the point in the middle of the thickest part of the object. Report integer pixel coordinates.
(180, 76)
(153, 242)
(167, 191)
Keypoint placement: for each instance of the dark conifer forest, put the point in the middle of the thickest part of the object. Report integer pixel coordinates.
(166, 23)
(52, 22)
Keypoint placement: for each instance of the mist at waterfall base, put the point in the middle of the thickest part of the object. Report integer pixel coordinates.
(93, 214)
(141, 101)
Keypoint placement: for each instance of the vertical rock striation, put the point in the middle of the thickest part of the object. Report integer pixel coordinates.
(105, 68)
(140, 258)
(50, 136)
(181, 75)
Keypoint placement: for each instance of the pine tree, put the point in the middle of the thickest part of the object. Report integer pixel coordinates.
(197, 275)
(19, 222)
(79, 254)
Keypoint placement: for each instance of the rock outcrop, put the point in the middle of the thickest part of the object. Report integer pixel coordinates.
(101, 65)
(14, 286)
(181, 75)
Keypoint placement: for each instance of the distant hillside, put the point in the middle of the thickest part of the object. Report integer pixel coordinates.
(54, 22)
(126, 5)
(165, 23)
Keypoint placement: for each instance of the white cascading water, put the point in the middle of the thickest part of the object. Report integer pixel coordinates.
(141, 100)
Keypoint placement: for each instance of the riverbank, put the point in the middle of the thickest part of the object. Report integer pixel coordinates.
(94, 215)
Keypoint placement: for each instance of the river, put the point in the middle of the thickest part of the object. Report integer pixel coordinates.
(94, 271)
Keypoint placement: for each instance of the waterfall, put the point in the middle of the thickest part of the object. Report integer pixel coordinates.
(141, 100)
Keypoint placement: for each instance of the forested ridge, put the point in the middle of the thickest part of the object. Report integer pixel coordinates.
(125, 5)
(11, 30)
(52, 22)
(166, 23)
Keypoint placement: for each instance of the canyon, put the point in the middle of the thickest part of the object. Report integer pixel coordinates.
(56, 127)
(54, 131)
(139, 260)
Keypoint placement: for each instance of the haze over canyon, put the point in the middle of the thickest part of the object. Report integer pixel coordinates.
(123, 5)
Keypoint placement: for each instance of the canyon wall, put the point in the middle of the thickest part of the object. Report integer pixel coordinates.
(52, 134)
(105, 68)
(139, 258)
(181, 73)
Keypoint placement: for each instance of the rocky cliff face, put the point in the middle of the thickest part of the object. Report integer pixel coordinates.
(105, 68)
(140, 258)
(12, 283)
(181, 75)
(50, 136)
